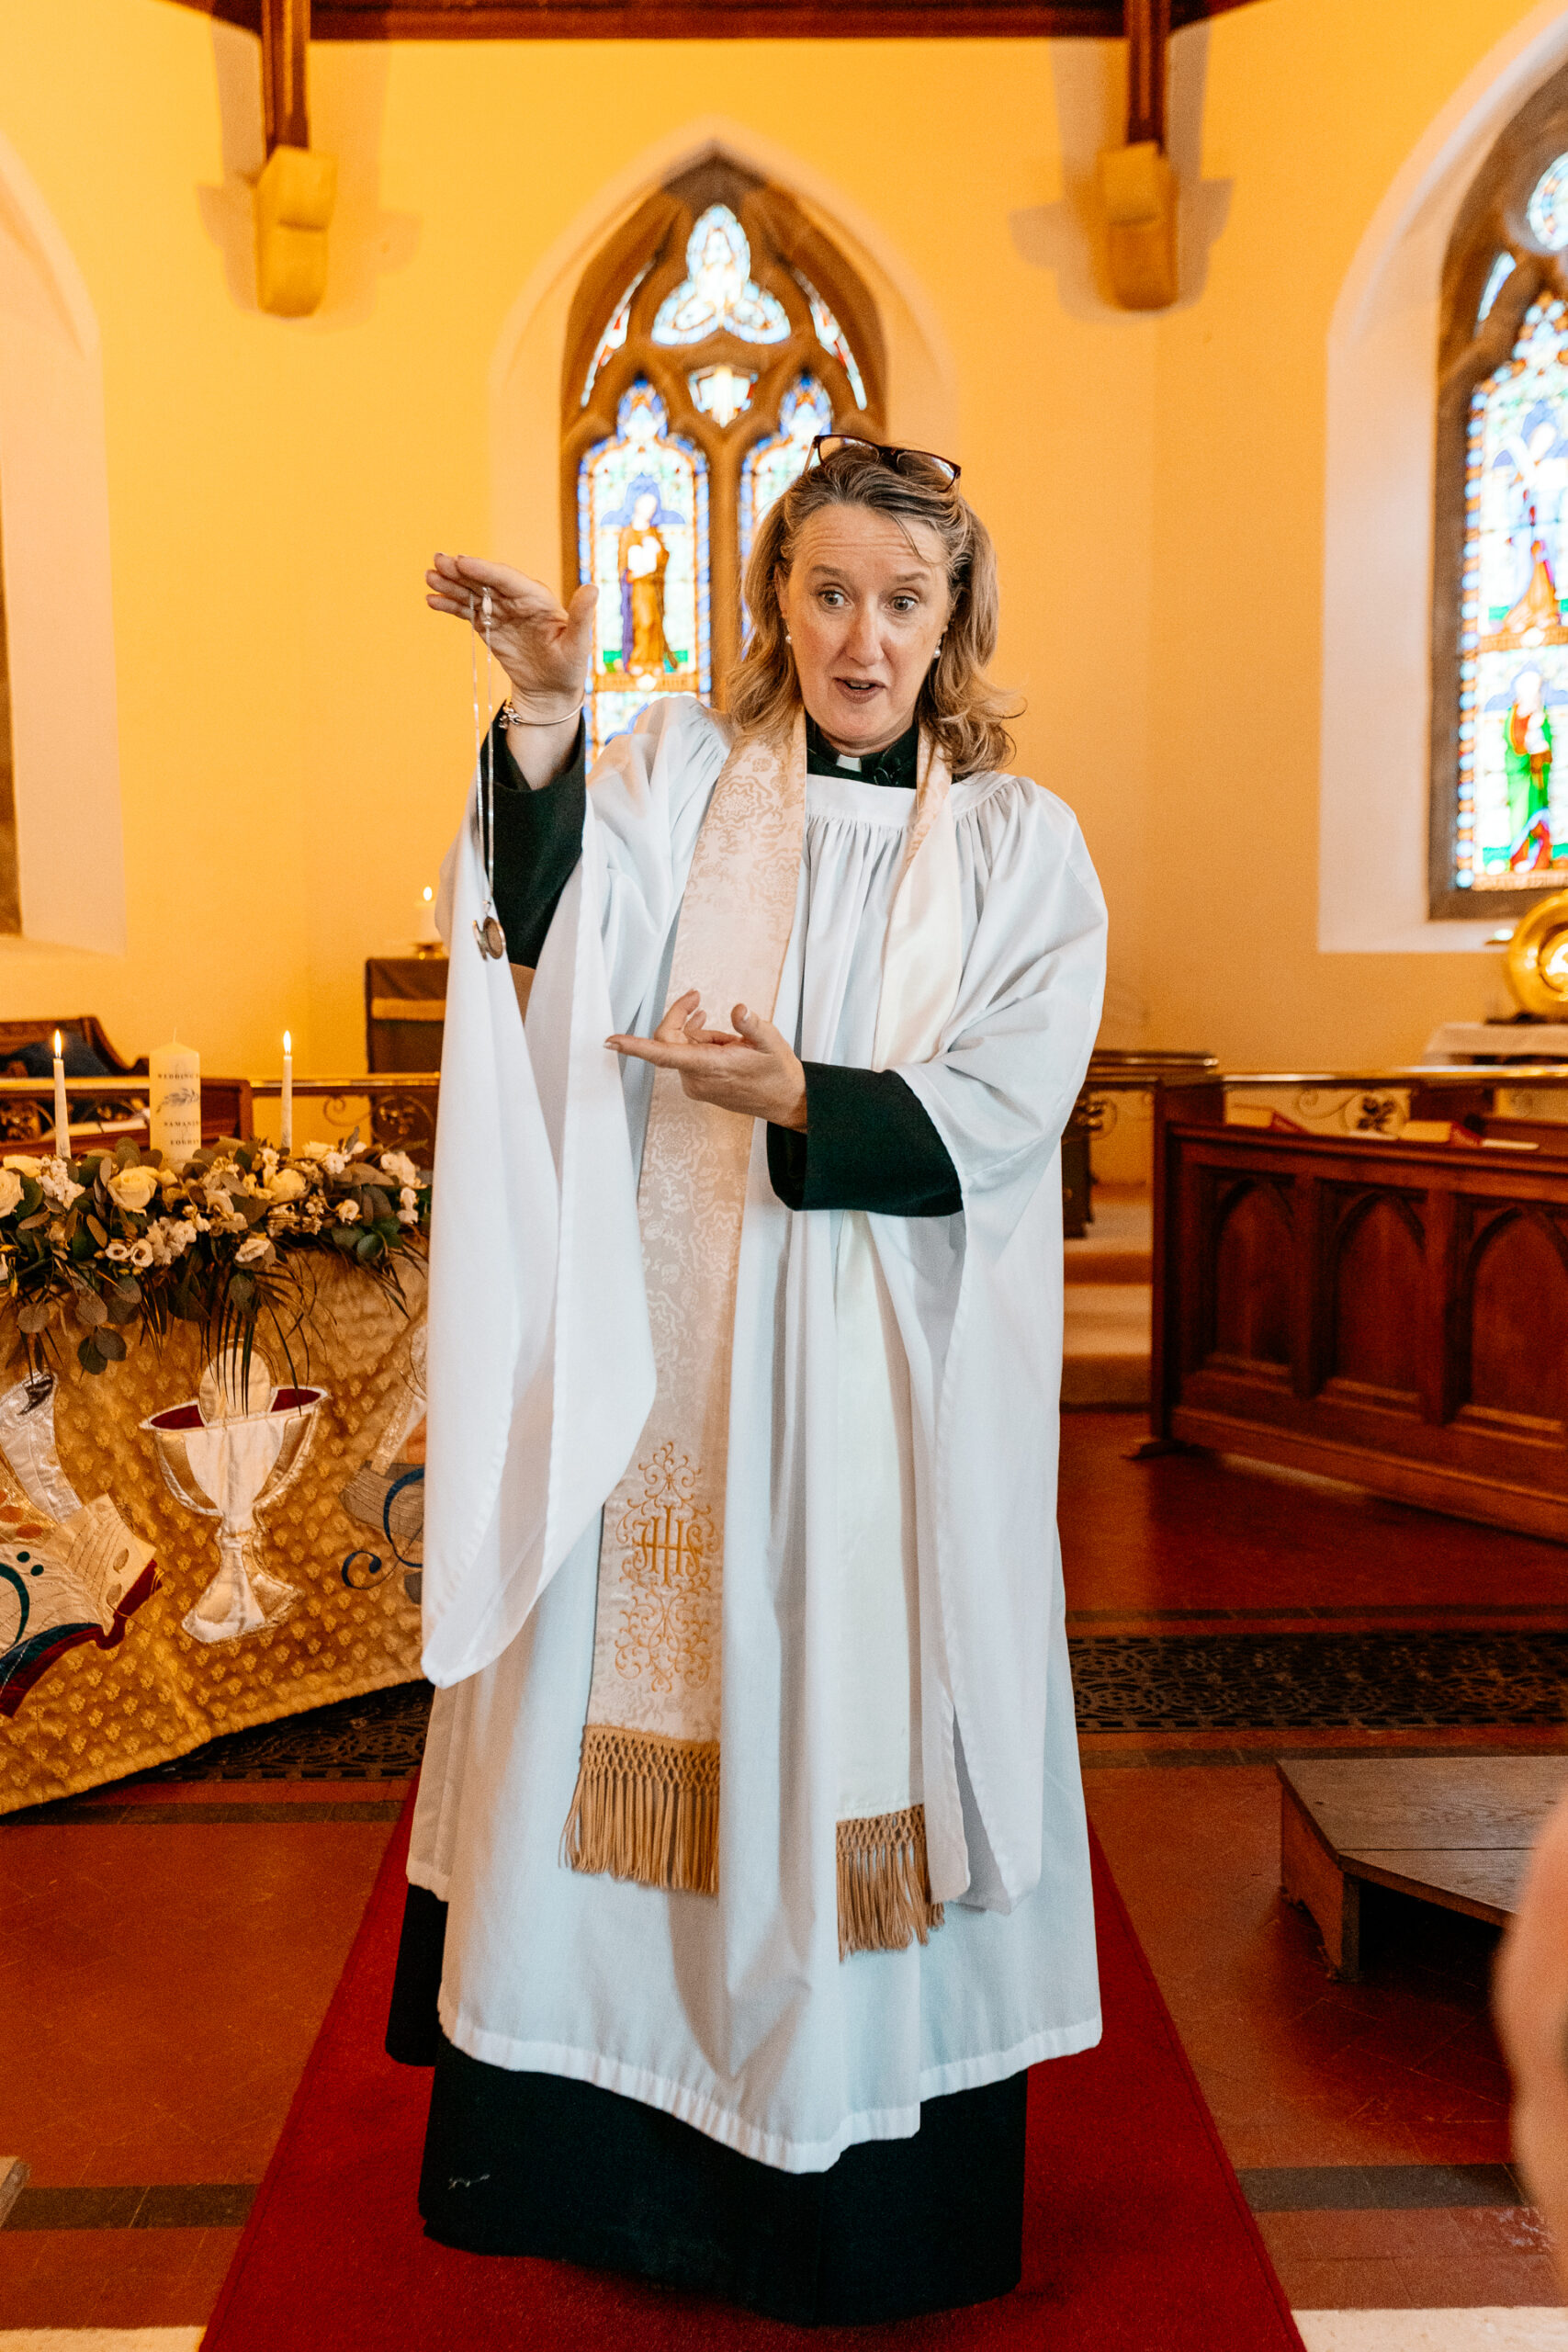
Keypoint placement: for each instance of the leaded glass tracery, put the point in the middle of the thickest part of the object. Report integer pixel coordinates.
(717, 295)
(720, 332)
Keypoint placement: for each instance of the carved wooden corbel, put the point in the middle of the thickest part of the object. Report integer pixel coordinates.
(1137, 183)
(295, 193)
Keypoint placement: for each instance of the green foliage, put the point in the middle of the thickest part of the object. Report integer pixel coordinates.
(75, 1258)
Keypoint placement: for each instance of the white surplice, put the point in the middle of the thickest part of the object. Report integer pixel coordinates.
(735, 2013)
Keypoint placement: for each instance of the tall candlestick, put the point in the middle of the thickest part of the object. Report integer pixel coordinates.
(286, 1146)
(62, 1106)
(174, 1093)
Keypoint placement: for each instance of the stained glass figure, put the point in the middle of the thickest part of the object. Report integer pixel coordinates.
(614, 337)
(1547, 211)
(717, 293)
(1502, 270)
(642, 508)
(770, 468)
(831, 335)
(721, 393)
(1512, 830)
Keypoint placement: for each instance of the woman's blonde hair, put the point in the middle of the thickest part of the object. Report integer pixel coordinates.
(957, 701)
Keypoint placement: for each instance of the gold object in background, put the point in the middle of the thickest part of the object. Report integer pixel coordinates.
(1536, 962)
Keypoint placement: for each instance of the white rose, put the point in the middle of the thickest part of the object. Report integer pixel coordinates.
(169, 1177)
(258, 1246)
(132, 1188)
(179, 1234)
(399, 1166)
(10, 1190)
(24, 1164)
(268, 1158)
(142, 1254)
(119, 1251)
(348, 1212)
(288, 1184)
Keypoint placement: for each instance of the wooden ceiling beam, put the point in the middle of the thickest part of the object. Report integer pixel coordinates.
(714, 19)
(286, 39)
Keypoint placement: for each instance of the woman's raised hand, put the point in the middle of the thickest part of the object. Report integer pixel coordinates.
(752, 1070)
(544, 647)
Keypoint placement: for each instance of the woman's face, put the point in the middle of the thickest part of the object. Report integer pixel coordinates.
(865, 602)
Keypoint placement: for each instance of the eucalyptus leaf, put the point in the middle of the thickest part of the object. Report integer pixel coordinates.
(34, 1317)
(110, 1344)
(90, 1356)
(98, 1232)
(90, 1308)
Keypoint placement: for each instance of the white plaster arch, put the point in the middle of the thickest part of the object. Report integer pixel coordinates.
(922, 405)
(54, 531)
(1382, 350)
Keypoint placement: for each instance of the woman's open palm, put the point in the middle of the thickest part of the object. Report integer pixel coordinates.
(543, 646)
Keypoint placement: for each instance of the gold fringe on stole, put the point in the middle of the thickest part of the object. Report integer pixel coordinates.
(884, 1887)
(645, 1808)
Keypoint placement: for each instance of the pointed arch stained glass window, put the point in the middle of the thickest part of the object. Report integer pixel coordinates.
(718, 294)
(700, 364)
(643, 542)
(1512, 807)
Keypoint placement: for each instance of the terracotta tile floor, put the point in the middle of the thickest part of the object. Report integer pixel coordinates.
(1401, 2068)
(171, 1978)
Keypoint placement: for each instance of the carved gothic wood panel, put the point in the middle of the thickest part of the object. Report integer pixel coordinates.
(1375, 1286)
(1519, 1321)
(1252, 1293)
(1392, 1314)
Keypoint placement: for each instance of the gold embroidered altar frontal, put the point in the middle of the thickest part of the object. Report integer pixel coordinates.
(179, 1560)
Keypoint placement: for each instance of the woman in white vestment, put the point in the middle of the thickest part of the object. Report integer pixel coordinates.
(749, 1873)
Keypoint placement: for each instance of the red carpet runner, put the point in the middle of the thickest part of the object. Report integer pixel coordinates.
(1137, 2236)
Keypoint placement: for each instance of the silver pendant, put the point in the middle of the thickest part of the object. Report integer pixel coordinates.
(492, 938)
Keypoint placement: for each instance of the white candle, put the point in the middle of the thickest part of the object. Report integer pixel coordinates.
(427, 934)
(286, 1146)
(62, 1106)
(174, 1093)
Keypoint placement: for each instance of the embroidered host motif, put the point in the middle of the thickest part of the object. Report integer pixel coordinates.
(667, 1541)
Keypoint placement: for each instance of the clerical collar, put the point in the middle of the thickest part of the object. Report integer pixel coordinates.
(896, 766)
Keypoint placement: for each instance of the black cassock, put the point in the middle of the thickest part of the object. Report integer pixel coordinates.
(533, 2164)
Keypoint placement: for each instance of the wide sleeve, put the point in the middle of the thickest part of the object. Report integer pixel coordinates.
(539, 840)
(869, 1143)
(1017, 1044)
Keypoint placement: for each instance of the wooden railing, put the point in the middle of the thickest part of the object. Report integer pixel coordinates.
(396, 1112)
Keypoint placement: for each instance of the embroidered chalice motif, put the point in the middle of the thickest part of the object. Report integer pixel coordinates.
(666, 1536)
(235, 1445)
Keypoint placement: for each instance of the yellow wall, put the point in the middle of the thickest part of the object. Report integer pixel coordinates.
(294, 726)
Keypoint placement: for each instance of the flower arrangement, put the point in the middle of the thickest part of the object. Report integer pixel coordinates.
(121, 1237)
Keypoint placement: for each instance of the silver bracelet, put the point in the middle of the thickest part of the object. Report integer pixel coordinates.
(510, 716)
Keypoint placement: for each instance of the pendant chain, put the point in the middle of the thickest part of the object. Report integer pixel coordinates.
(487, 931)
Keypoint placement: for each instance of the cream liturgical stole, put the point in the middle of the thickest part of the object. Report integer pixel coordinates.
(646, 1805)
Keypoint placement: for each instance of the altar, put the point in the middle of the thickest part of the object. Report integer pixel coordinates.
(212, 1443)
